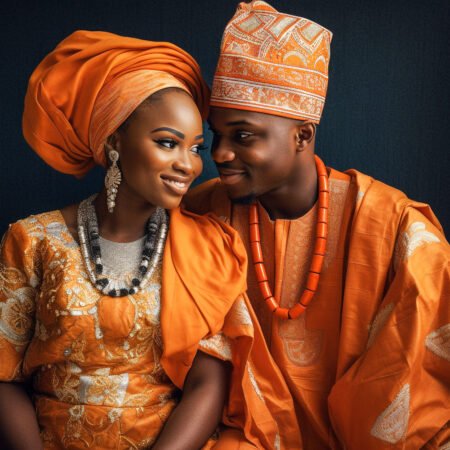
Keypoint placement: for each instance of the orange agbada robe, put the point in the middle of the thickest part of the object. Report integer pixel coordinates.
(368, 363)
(106, 371)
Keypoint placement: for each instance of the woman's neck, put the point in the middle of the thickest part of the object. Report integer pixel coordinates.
(127, 222)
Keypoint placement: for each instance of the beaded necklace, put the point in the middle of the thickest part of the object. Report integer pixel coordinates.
(317, 259)
(156, 233)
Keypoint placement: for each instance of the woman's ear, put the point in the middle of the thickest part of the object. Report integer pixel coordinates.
(305, 134)
(112, 143)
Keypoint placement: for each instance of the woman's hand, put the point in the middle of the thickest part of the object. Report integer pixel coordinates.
(199, 412)
(19, 428)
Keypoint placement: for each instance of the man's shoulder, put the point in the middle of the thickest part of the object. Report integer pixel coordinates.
(210, 196)
(379, 203)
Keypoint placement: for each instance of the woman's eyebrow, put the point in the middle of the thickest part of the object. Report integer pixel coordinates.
(175, 132)
(200, 136)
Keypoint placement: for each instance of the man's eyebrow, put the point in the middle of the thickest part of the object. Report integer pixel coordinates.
(238, 122)
(200, 136)
(175, 132)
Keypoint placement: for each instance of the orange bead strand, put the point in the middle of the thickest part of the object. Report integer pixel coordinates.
(315, 269)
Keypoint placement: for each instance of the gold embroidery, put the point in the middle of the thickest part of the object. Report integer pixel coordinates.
(66, 382)
(338, 195)
(219, 345)
(302, 346)
(80, 429)
(239, 313)
(76, 350)
(254, 382)
(392, 424)
(378, 323)
(438, 342)
(103, 389)
(410, 240)
(277, 443)
(16, 316)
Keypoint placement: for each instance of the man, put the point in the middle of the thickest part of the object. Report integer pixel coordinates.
(349, 278)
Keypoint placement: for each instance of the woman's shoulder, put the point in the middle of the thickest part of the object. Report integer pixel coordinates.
(41, 225)
(207, 233)
(36, 221)
(207, 224)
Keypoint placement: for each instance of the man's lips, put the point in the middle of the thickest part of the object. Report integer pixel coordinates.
(177, 185)
(231, 176)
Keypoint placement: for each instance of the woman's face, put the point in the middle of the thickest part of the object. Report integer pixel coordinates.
(159, 150)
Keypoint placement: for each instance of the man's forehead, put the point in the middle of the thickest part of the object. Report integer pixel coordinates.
(234, 117)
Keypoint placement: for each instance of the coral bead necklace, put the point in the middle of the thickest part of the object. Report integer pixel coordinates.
(317, 258)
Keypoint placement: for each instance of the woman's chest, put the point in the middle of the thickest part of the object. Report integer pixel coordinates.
(76, 320)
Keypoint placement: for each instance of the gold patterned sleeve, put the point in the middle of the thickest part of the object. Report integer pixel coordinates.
(18, 283)
(237, 322)
(218, 346)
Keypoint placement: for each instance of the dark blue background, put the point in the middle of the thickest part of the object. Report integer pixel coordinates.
(386, 113)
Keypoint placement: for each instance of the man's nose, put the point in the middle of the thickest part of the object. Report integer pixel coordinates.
(222, 153)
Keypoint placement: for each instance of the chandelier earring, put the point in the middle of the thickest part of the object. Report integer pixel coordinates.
(113, 178)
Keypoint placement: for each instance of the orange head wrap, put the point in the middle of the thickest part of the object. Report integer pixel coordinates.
(83, 90)
(273, 63)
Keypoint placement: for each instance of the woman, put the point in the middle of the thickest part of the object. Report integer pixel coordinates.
(111, 307)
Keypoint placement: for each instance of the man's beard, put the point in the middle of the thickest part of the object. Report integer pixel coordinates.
(245, 200)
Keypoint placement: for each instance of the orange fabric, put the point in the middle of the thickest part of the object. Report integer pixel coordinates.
(273, 63)
(118, 99)
(105, 370)
(368, 363)
(93, 80)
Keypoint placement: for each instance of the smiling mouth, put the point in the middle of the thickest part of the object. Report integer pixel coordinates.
(231, 176)
(177, 187)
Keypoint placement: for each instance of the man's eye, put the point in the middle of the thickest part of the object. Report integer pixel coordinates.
(167, 143)
(242, 135)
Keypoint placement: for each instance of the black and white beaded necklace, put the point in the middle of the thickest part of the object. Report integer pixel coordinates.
(156, 233)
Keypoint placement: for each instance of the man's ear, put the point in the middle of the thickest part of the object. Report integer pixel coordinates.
(304, 135)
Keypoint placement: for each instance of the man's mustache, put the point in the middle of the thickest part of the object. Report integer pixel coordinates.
(225, 165)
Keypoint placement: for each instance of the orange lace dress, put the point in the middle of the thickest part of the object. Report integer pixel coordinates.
(94, 360)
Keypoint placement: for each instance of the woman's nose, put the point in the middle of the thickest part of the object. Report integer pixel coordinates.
(183, 162)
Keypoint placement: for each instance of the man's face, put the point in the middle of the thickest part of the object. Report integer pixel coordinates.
(254, 152)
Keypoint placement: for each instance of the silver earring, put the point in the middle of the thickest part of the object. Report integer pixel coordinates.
(112, 179)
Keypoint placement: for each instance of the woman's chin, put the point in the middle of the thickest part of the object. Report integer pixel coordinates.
(170, 203)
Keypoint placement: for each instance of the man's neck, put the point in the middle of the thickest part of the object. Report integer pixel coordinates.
(296, 197)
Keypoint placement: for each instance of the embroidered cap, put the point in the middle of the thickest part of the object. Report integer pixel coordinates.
(273, 63)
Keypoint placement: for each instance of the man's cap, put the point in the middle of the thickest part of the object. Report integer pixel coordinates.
(273, 63)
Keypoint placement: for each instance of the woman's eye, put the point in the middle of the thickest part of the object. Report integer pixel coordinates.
(198, 148)
(167, 143)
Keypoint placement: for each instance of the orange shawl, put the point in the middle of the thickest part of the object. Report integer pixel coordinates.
(202, 248)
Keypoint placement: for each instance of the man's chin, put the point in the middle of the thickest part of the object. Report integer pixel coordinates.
(240, 195)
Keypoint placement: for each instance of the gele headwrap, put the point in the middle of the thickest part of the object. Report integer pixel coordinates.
(273, 63)
(84, 89)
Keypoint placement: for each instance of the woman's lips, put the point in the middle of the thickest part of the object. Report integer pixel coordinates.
(176, 186)
(231, 176)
